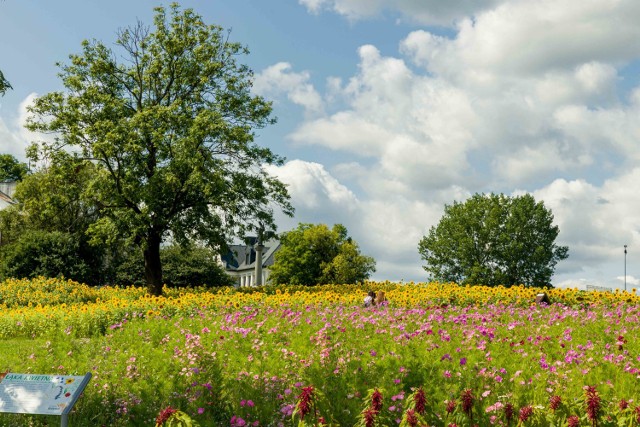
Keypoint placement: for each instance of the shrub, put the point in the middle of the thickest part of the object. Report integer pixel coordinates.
(181, 267)
(49, 254)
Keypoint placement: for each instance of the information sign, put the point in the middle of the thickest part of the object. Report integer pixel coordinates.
(41, 394)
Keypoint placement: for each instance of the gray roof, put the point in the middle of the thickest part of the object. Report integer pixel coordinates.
(8, 188)
(5, 199)
(243, 257)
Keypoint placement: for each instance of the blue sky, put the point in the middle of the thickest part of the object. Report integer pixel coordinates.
(390, 109)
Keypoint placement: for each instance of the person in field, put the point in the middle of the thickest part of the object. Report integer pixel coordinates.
(370, 299)
(380, 298)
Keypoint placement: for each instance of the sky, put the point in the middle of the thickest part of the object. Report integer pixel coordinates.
(388, 110)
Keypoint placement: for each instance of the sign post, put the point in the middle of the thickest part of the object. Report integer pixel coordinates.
(41, 394)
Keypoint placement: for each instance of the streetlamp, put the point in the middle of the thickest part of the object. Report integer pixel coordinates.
(625, 268)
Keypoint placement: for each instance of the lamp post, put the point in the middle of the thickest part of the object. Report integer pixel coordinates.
(625, 268)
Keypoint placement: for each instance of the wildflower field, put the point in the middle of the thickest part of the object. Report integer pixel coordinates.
(434, 355)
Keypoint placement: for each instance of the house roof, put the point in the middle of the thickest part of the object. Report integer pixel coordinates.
(8, 188)
(5, 200)
(243, 257)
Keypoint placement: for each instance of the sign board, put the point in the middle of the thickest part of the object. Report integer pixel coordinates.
(41, 394)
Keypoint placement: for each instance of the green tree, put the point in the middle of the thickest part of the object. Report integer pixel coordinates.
(169, 121)
(57, 197)
(183, 266)
(50, 254)
(314, 254)
(11, 169)
(493, 240)
(53, 202)
(4, 84)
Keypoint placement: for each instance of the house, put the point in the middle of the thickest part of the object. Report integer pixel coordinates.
(247, 262)
(7, 189)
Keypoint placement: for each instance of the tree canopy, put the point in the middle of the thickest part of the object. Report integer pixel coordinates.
(493, 240)
(168, 120)
(314, 254)
(11, 169)
(46, 231)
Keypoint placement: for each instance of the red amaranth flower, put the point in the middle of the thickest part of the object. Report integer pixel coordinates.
(637, 413)
(376, 400)
(621, 341)
(467, 401)
(623, 404)
(420, 400)
(164, 415)
(369, 416)
(451, 406)
(593, 404)
(304, 401)
(508, 412)
(411, 418)
(554, 402)
(525, 413)
(573, 421)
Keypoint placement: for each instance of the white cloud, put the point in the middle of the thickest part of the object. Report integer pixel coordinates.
(313, 190)
(14, 137)
(279, 78)
(526, 163)
(10, 142)
(595, 221)
(631, 281)
(531, 37)
(525, 94)
(395, 226)
(345, 130)
(429, 12)
(419, 128)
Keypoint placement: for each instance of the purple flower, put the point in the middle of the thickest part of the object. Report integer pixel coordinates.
(463, 361)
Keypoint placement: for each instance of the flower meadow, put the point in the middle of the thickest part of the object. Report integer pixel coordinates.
(433, 355)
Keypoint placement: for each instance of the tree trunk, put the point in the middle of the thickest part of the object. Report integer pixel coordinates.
(152, 265)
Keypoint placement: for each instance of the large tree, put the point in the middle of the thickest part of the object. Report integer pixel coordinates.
(314, 254)
(493, 240)
(169, 120)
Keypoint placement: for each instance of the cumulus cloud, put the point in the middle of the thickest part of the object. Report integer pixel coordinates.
(14, 138)
(631, 281)
(521, 95)
(418, 128)
(314, 192)
(531, 37)
(10, 141)
(430, 12)
(595, 221)
(280, 78)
